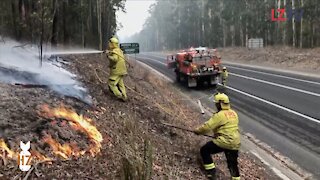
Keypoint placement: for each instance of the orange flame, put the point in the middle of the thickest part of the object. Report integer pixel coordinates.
(77, 122)
(5, 149)
(64, 150)
(13, 155)
(38, 155)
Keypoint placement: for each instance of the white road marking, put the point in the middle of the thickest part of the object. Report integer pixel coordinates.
(276, 105)
(259, 157)
(274, 69)
(155, 71)
(153, 60)
(276, 75)
(162, 57)
(278, 85)
(280, 174)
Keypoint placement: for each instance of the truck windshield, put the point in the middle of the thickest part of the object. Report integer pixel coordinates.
(201, 58)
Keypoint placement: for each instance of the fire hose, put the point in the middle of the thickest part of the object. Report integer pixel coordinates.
(184, 129)
(85, 52)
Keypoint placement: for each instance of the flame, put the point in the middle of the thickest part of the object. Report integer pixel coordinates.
(14, 155)
(77, 122)
(67, 150)
(64, 150)
(38, 155)
(5, 149)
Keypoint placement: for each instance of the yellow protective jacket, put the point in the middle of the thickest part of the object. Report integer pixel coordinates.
(225, 74)
(117, 62)
(224, 125)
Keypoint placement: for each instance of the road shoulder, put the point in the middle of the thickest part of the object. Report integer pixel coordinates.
(274, 69)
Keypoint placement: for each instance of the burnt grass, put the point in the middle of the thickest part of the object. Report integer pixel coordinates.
(136, 145)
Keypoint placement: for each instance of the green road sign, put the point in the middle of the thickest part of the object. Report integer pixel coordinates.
(130, 48)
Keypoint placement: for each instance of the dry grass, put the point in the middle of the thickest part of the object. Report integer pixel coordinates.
(279, 57)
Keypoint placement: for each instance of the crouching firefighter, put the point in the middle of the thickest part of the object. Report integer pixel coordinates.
(224, 125)
(118, 69)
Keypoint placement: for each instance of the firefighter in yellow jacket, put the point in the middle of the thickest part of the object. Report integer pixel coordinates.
(118, 69)
(224, 125)
(225, 75)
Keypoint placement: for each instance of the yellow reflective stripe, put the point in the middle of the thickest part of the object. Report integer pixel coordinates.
(235, 178)
(209, 166)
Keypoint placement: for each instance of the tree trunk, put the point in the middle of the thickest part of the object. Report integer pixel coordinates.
(179, 26)
(89, 18)
(194, 29)
(22, 11)
(82, 25)
(99, 23)
(208, 27)
(202, 23)
(233, 30)
(224, 34)
(293, 26)
(241, 33)
(157, 38)
(41, 33)
(14, 19)
(64, 22)
(22, 18)
(247, 33)
(284, 39)
(54, 37)
(301, 27)
(312, 35)
(279, 26)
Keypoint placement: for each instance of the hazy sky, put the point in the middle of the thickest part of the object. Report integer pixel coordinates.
(133, 20)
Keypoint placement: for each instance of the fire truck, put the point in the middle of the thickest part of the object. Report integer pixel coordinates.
(196, 66)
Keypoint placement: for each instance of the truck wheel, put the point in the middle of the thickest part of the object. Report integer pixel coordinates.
(200, 82)
(178, 76)
(213, 81)
(191, 82)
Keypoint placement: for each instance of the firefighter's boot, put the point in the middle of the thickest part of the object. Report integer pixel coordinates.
(211, 174)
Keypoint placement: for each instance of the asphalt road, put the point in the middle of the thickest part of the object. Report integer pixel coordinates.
(284, 108)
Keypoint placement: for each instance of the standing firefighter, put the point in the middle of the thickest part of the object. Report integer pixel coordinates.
(117, 69)
(224, 125)
(224, 75)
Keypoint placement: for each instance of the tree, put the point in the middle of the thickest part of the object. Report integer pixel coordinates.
(184, 23)
(67, 22)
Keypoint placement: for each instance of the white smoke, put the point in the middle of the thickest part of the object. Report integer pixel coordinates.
(20, 64)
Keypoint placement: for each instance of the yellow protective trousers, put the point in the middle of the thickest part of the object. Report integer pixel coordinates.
(224, 81)
(117, 86)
